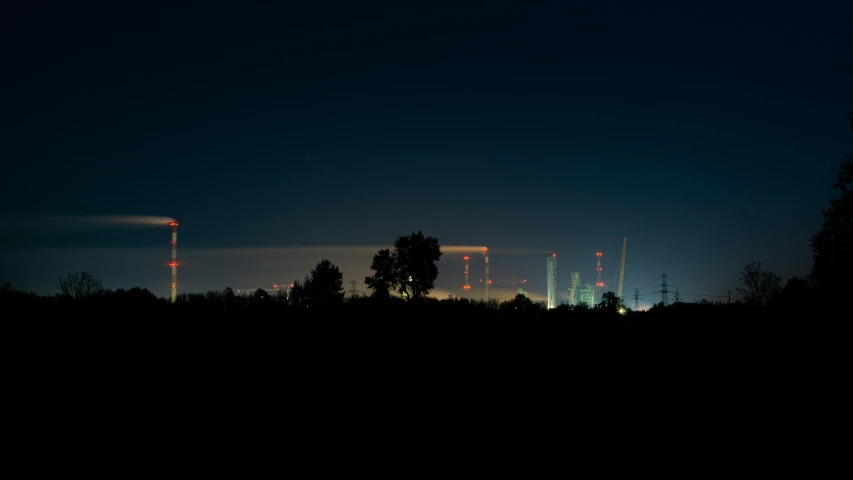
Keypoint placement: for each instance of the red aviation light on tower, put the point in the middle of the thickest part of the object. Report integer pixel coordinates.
(599, 283)
(554, 255)
(174, 262)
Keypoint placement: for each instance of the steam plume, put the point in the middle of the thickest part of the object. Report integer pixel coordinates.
(518, 251)
(141, 220)
(462, 248)
(492, 251)
(78, 222)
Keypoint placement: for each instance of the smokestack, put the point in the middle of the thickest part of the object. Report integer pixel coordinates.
(467, 285)
(174, 262)
(486, 253)
(551, 281)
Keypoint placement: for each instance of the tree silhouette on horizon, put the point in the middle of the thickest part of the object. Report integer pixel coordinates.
(410, 269)
(832, 245)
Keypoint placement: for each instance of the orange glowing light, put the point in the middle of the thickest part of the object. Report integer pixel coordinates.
(465, 258)
(291, 285)
(275, 286)
(554, 255)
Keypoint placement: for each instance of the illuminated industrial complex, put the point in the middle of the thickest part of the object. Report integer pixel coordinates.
(588, 295)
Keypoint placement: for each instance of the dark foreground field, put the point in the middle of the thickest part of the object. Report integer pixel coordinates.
(455, 341)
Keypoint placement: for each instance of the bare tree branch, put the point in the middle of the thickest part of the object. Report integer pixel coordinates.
(80, 285)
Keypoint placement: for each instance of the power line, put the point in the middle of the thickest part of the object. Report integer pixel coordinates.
(709, 295)
(700, 288)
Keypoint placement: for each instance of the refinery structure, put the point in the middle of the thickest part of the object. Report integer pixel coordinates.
(579, 293)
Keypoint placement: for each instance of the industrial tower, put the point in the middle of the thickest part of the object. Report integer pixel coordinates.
(637, 298)
(598, 284)
(622, 269)
(588, 295)
(573, 290)
(663, 291)
(487, 282)
(174, 262)
(467, 285)
(552, 281)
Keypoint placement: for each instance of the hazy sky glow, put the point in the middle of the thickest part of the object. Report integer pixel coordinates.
(708, 134)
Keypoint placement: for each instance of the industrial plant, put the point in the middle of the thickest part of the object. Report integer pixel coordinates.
(588, 295)
(579, 293)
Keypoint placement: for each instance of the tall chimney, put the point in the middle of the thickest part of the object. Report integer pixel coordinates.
(174, 262)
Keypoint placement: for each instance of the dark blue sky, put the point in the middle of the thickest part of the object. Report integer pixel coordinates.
(707, 133)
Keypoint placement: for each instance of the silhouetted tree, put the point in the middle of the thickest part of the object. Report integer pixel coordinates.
(520, 302)
(411, 269)
(134, 296)
(381, 282)
(609, 301)
(798, 293)
(325, 287)
(299, 292)
(229, 298)
(832, 245)
(80, 285)
(760, 285)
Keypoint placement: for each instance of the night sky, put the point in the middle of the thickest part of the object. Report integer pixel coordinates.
(707, 133)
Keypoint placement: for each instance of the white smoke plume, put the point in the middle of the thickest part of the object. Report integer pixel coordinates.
(78, 222)
(492, 251)
(297, 250)
(137, 220)
(462, 248)
(518, 251)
